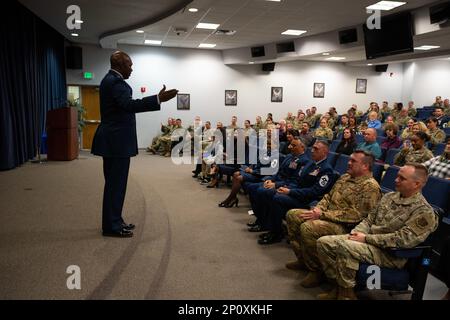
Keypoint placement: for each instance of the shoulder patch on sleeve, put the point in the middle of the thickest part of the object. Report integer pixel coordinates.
(324, 180)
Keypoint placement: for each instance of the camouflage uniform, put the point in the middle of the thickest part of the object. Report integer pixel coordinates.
(386, 110)
(156, 142)
(331, 123)
(437, 136)
(407, 133)
(412, 112)
(402, 121)
(290, 120)
(259, 126)
(411, 155)
(396, 223)
(323, 133)
(311, 121)
(166, 141)
(342, 208)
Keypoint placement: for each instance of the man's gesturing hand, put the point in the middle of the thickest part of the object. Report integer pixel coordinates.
(166, 95)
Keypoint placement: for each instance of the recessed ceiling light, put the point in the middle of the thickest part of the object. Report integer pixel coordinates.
(78, 21)
(74, 34)
(426, 47)
(291, 32)
(193, 9)
(251, 62)
(154, 42)
(211, 26)
(385, 5)
(140, 31)
(370, 64)
(207, 45)
(326, 54)
(335, 58)
(274, 0)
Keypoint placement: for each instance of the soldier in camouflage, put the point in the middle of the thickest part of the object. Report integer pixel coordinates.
(417, 152)
(323, 132)
(436, 134)
(351, 198)
(156, 142)
(403, 219)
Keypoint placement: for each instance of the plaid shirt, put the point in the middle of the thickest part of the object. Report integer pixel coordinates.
(439, 167)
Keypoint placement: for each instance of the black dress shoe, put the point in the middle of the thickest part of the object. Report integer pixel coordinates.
(251, 224)
(127, 226)
(272, 238)
(265, 235)
(119, 234)
(256, 228)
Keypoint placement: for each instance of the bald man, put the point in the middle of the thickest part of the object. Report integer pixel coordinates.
(116, 141)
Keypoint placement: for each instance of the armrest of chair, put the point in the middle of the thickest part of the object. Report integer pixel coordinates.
(409, 252)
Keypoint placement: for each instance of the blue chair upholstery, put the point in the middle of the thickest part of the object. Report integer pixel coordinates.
(447, 131)
(341, 163)
(377, 171)
(439, 149)
(380, 139)
(437, 192)
(334, 145)
(359, 138)
(390, 155)
(388, 181)
(381, 133)
(332, 157)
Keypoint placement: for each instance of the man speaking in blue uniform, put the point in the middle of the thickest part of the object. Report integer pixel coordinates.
(116, 140)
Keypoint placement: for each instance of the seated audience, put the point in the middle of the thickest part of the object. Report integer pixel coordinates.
(372, 121)
(352, 197)
(440, 117)
(370, 143)
(392, 141)
(305, 135)
(414, 151)
(407, 226)
(436, 134)
(440, 166)
(408, 131)
(323, 132)
(314, 180)
(348, 142)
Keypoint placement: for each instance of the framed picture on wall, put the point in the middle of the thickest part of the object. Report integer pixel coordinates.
(276, 94)
(183, 101)
(361, 85)
(230, 97)
(319, 90)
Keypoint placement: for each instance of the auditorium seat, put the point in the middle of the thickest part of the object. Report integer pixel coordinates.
(437, 192)
(390, 155)
(334, 145)
(377, 171)
(439, 149)
(388, 181)
(332, 157)
(341, 163)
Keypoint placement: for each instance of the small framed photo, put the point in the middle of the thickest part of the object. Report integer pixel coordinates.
(319, 90)
(183, 101)
(230, 97)
(276, 94)
(361, 85)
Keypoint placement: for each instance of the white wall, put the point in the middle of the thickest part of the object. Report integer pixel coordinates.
(428, 79)
(203, 75)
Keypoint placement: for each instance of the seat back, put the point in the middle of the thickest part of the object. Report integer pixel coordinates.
(377, 171)
(341, 163)
(439, 149)
(380, 139)
(390, 155)
(437, 192)
(334, 145)
(332, 157)
(388, 181)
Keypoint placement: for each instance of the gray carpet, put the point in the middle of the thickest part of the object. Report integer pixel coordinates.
(185, 247)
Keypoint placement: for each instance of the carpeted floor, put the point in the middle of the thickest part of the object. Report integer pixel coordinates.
(185, 246)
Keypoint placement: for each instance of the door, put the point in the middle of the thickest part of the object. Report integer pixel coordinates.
(91, 102)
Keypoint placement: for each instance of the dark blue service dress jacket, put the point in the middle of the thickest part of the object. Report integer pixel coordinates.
(116, 135)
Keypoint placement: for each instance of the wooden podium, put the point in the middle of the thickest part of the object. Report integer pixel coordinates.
(62, 134)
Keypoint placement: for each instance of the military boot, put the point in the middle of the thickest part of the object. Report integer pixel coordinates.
(346, 294)
(313, 279)
(296, 265)
(331, 295)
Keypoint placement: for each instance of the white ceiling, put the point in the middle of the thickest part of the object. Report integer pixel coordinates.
(256, 22)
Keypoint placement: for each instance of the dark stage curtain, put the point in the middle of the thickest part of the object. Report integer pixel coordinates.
(32, 81)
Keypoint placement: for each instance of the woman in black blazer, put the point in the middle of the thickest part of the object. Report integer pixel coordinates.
(348, 143)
